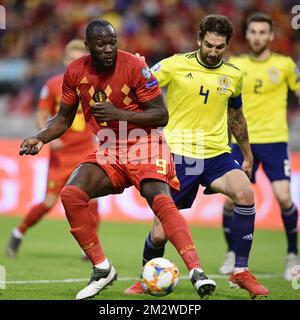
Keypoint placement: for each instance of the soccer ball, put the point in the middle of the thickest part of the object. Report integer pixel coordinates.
(159, 277)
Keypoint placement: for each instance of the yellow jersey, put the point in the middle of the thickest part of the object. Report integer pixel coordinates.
(197, 99)
(264, 90)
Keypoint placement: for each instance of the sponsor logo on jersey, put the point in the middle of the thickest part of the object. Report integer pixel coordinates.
(189, 76)
(274, 74)
(248, 237)
(146, 72)
(156, 67)
(151, 83)
(100, 96)
(224, 84)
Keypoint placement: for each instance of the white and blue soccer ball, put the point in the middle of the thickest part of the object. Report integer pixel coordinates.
(159, 277)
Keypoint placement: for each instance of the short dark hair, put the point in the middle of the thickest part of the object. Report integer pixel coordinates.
(217, 24)
(260, 17)
(89, 33)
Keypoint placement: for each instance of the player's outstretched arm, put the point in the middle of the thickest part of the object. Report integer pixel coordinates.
(155, 113)
(55, 127)
(238, 127)
(31, 146)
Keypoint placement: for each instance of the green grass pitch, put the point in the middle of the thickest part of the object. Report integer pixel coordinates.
(49, 253)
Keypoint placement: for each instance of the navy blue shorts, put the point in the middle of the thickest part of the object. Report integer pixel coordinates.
(274, 158)
(193, 172)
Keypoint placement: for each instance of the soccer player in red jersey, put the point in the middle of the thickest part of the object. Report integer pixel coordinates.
(129, 112)
(65, 152)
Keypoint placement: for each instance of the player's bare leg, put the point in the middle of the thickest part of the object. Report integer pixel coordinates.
(237, 186)
(88, 181)
(289, 214)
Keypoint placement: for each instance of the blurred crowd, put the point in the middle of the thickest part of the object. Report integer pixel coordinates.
(32, 45)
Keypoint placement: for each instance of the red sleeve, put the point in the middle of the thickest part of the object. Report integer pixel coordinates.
(69, 94)
(47, 98)
(144, 82)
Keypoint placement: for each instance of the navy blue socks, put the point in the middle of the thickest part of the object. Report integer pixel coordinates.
(151, 251)
(290, 219)
(242, 228)
(227, 219)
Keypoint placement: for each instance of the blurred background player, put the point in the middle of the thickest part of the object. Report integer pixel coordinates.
(202, 88)
(266, 79)
(65, 152)
(130, 96)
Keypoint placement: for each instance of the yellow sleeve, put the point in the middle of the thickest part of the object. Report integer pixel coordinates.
(236, 61)
(238, 87)
(163, 71)
(292, 75)
(235, 101)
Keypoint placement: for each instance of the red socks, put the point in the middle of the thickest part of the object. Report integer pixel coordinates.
(84, 225)
(83, 222)
(93, 204)
(33, 216)
(176, 229)
(37, 212)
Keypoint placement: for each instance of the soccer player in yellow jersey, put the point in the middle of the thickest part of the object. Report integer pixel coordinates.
(266, 79)
(201, 90)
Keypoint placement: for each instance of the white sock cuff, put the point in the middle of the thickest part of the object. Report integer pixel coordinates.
(240, 270)
(191, 271)
(103, 265)
(244, 210)
(17, 233)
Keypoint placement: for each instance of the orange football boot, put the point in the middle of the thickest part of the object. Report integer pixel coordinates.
(246, 280)
(135, 289)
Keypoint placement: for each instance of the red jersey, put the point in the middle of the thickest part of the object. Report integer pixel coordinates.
(126, 86)
(78, 137)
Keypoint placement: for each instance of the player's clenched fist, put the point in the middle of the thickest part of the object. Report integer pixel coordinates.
(105, 111)
(247, 167)
(31, 145)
